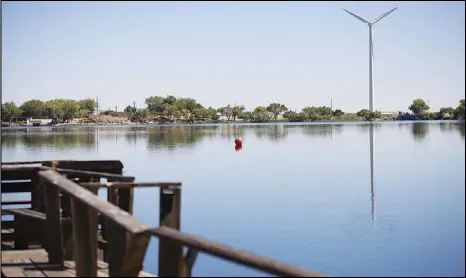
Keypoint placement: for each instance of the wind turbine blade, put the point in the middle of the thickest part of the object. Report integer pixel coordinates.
(356, 16)
(384, 15)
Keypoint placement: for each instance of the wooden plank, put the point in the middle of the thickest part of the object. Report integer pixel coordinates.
(8, 234)
(53, 225)
(111, 166)
(39, 162)
(16, 187)
(18, 173)
(12, 271)
(31, 270)
(36, 254)
(130, 184)
(171, 261)
(84, 239)
(114, 213)
(31, 214)
(7, 224)
(233, 255)
(103, 270)
(81, 173)
(16, 202)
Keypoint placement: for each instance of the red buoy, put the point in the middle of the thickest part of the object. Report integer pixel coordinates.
(238, 148)
(238, 142)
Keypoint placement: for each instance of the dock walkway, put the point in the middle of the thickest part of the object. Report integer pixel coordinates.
(34, 263)
(67, 229)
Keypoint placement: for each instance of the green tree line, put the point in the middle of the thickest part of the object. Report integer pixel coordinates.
(63, 109)
(170, 108)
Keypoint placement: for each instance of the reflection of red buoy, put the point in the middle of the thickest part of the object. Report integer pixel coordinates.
(238, 148)
(238, 142)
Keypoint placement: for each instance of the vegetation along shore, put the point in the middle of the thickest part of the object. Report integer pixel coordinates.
(170, 109)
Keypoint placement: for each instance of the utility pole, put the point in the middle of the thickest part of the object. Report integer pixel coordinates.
(134, 104)
(97, 105)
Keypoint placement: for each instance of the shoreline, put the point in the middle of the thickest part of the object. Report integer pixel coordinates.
(233, 123)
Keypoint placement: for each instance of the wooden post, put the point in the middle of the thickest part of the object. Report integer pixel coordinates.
(171, 260)
(84, 224)
(21, 232)
(134, 257)
(123, 198)
(36, 202)
(116, 239)
(53, 223)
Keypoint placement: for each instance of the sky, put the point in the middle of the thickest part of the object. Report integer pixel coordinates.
(251, 53)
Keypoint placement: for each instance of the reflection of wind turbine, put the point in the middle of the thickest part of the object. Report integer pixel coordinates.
(371, 51)
(371, 143)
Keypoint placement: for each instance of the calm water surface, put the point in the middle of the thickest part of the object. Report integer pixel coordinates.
(297, 193)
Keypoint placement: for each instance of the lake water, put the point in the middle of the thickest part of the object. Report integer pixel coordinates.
(297, 193)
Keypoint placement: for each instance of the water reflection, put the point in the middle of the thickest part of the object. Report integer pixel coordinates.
(420, 131)
(230, 132)
(50, 139)
(453, 127)
(371, 152)
(174, 137)
(321, 130)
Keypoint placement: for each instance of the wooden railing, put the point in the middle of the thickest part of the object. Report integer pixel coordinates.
(127, 242)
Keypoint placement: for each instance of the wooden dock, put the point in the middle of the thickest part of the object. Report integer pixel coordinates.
(66, 229)
(34, 263)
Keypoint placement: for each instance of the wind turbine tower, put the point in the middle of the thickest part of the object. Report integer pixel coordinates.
(371, 51)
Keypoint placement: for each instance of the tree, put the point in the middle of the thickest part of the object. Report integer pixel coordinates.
(295, 117)
(368, 115)
(70, 109)
(459, 111)
(186, 103)
(170, 100)
(418, 107)
(141, 114)
(131, 109)
(260, 114)
(362, 112)
(237, 110)
(246, 116)
(9, 110)
(200, 114)
(228, 112)
(33, 108)
(318, 113)
(88, 105)
(222, 111)
(212, 113)
(155, 103)
(338, 113)
(170, 111)
(445, 113)
(276, 109)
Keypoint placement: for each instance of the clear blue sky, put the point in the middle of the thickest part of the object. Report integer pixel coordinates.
(297, 53)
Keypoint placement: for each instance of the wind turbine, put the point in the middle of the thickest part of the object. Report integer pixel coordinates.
(371, 51)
